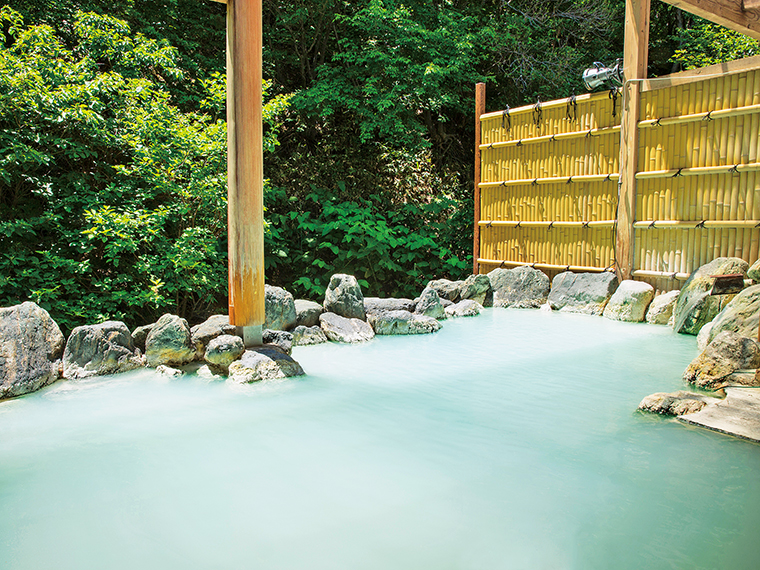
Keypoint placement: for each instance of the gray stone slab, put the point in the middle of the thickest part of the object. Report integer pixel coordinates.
(738, 414)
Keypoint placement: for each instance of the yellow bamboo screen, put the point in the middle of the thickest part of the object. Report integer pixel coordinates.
(548, 191)
(698, 177)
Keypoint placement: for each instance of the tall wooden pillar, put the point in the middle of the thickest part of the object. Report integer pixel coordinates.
(635, 67)
(245, 173)
(480, 108)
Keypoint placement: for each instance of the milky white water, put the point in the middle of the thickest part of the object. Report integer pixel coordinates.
(506, 441)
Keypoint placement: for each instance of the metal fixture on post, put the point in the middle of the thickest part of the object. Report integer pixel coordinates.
(602, 76)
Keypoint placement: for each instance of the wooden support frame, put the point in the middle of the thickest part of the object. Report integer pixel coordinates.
(245, 175)
(635, 67)
(742, 16)
(480, 109)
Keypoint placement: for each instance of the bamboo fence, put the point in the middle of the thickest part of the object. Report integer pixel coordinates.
(549, 172)
(548, 190)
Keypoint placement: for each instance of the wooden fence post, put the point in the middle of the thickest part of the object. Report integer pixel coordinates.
(480, 108)
(635, 67)
(245, 174)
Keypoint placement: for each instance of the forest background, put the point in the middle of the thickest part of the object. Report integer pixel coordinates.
(113, 138)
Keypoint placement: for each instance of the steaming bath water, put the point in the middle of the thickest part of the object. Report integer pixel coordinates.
(507, 441)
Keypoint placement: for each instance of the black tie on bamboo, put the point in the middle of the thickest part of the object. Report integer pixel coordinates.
(537, 114)
(571, 105)
(506, 120)
(614, 95)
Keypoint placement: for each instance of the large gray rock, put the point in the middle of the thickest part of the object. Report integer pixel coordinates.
(169, 342)
(341, 329)
(586, 293)
(754, 272)
(283, 339)
(376, 304)
(521, 288)
(279, 309)
(344, 298)
(676, 403)
(265, 363)
(465, 308)
(478, 288)
(726, 354)
(740, 315)
(304, 336)
(429, 304)
(629, 302)
(695, 306)
(661, 308)
(222, 351)
(447, 289)
(307, 313)
(95, 350)
(401, 322)
(214, 326)
(140, 334)
(31, 345)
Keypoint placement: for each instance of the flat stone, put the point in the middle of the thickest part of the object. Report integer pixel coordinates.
(96, 350)
(31, 346)
(429, 304)
(169, 342)
(447, 289)
(223, 351)
(466, 308)
(586, 293)
(738, 414)
(478, 288)
(740, 315)
(304, 336)
(279, 309)
(629, 302)
(307, 313)
(344, 297)
(342, 329)
(265, 363)
(214, 326)
(695, 306)
(520, 288)
(377, 304)
(401, 323)
(661, 308)
(676, 403)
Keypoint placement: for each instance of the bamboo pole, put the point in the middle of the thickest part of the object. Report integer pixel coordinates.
(690, 224)
(547, 224)
(551, 180)
(550, 266)
(480, 107)
(245, 169)
(698, 171)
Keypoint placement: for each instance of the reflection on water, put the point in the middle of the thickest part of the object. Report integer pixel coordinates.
(507, 441)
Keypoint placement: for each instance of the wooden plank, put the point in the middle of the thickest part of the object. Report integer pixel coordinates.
(692, 75)
(245, 175)
(635, 67)
(480, 108)
(738, 414)
(732, 14)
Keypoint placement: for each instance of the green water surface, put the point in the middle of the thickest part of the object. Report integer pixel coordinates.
(506, 441)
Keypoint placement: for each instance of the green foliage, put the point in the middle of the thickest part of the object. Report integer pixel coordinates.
(392, 251)
(708, 44)
(114, 202)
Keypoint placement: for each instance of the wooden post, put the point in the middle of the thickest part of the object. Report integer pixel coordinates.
(634, 67)
(480, 108)
(245, 173)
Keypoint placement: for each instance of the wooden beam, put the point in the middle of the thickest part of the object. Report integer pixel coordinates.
(700, 74)
(480, 109)
(634, 67)
(245, 174)
(740, 15)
